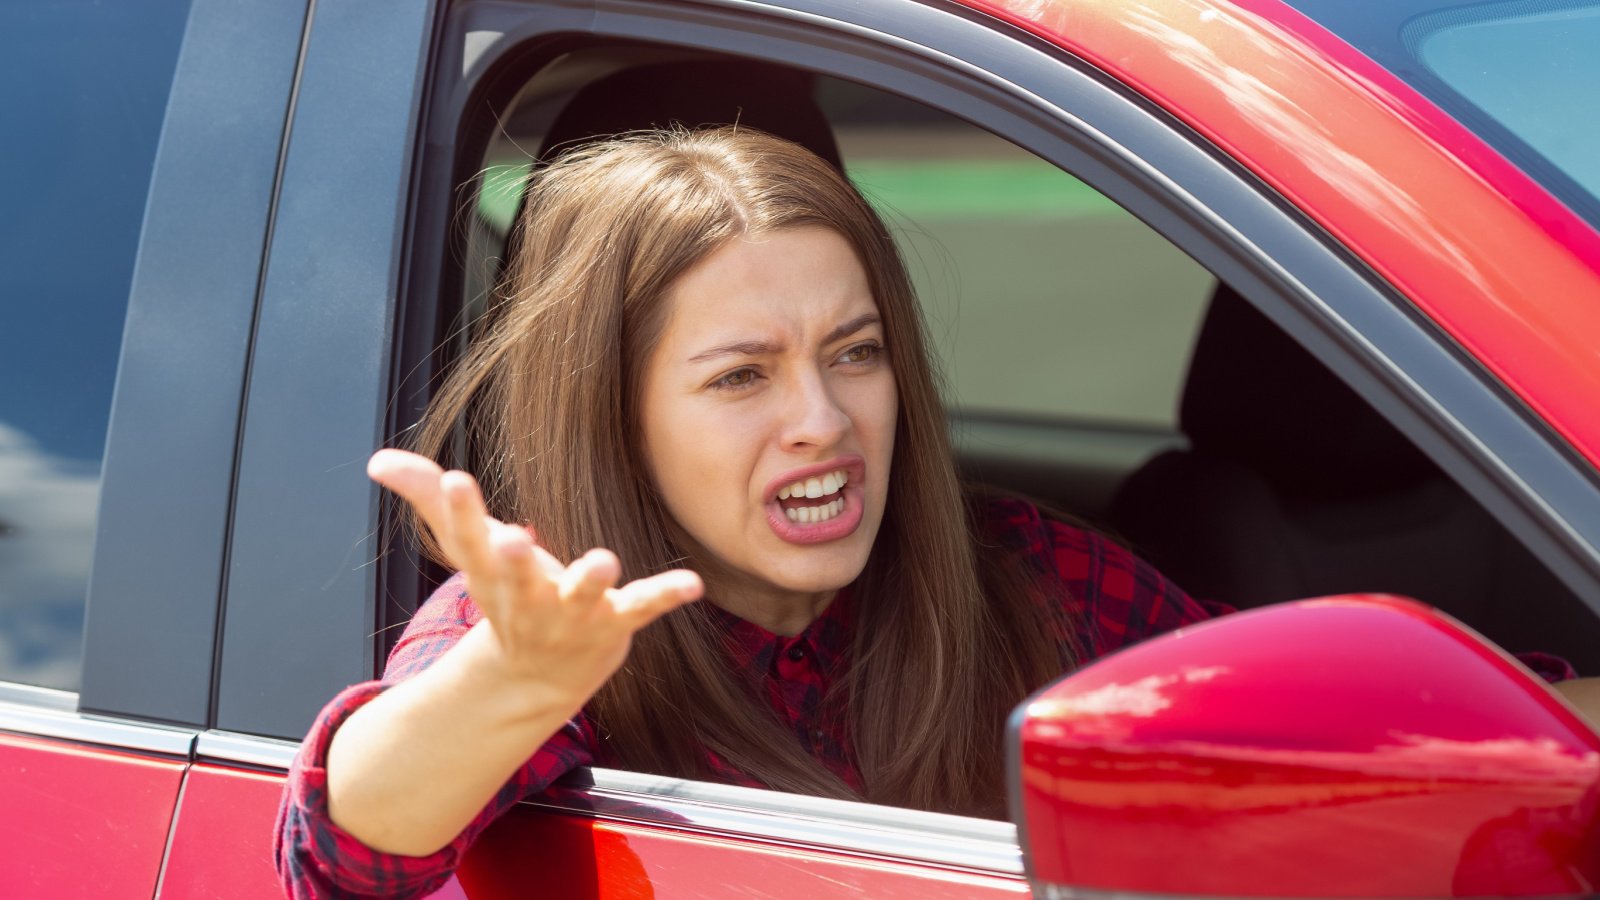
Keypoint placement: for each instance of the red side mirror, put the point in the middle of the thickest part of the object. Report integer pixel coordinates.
(1359, 746)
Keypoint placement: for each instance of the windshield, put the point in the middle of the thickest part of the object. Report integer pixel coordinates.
(1523, 74)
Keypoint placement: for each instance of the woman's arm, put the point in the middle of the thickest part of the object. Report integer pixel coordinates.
(413, 767)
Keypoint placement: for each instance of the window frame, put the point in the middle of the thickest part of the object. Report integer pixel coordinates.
(1068, 113)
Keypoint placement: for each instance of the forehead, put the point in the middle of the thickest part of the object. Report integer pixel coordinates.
(785, 282)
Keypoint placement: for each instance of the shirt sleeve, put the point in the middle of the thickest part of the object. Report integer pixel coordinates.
(315, 858)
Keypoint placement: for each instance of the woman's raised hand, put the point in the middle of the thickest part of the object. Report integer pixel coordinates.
(566, 626)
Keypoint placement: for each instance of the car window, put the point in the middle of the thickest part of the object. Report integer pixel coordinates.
(1068, 328)
(1061, 322)
(1086, 312)
(83, 87)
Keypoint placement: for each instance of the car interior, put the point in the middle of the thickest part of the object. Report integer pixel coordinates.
(1088, 362)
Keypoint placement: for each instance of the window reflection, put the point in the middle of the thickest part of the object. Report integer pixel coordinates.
(83, 93)
(47, 517)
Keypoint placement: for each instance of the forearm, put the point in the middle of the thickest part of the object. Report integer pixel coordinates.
(411, 769)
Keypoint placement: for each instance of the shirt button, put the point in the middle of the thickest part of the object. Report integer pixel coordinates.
(797, 653)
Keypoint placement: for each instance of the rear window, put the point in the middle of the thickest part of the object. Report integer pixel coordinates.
(83, 89)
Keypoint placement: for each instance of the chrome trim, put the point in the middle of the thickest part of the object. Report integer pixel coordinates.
(121, 734)
(903, 834)
(229, 746)
(29, 695)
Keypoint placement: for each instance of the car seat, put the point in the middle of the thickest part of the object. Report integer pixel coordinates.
(1293, 486)
(693, 94)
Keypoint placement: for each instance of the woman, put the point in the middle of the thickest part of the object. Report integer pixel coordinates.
(707, 355)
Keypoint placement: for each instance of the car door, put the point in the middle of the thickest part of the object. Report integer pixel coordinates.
(1064, 111)
(393, 111)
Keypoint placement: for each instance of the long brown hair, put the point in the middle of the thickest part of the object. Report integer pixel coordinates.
(948, 635)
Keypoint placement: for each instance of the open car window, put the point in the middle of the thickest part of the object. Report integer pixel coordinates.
(1067, 332)
(1068, 328)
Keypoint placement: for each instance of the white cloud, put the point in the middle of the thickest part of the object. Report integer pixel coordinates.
(48, 507)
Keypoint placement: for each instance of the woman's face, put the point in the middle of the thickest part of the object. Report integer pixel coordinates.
(768, 410)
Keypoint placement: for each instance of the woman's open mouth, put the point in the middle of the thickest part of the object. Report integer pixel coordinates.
(820, 506)
(815, 499)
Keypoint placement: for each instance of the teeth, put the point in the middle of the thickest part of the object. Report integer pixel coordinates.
(808, 515)
(812, 488)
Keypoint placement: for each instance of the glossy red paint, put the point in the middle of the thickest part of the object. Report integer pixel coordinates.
(81, 822)
(582, 859)
(1502, 266)
(224, 807)
(1304, 749)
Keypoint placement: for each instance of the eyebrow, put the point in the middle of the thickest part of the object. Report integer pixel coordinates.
(759, 348)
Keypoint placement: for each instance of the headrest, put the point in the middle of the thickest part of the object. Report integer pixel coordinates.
(770, 98)
(1255, 396)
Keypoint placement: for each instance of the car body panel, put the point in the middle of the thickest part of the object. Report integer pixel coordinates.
(167, 484)
(1481, 248)
(303, 536)
(81, 821)
(224, 807)
(579, 857)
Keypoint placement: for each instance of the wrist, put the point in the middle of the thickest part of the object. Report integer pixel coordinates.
(512, 693)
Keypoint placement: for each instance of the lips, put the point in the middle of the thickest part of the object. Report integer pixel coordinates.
(853, 468)
(817, 503)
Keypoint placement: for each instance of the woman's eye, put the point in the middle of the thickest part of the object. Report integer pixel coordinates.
(736, 379)
(861, 353)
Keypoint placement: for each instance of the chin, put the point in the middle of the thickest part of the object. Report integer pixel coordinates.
(814, 575)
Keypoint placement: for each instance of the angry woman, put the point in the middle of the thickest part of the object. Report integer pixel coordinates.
(714, 530)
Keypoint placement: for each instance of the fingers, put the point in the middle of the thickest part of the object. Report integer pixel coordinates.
(466, 524)
(506, 569)
(641, 602)
(519, 572)
(421, 482)
(415, 478)
(586, 580)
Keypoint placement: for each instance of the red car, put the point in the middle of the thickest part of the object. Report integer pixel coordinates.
(1299, 299)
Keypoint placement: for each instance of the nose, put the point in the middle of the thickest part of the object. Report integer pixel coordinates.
(813, 416)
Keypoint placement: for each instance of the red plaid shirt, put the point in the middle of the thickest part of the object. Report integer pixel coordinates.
(1112, 598)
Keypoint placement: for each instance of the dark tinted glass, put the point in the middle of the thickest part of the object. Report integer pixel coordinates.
(83, 88)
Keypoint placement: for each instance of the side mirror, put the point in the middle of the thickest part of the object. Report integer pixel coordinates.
(1357, 746)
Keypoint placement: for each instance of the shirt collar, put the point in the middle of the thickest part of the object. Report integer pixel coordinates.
(755, 649)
